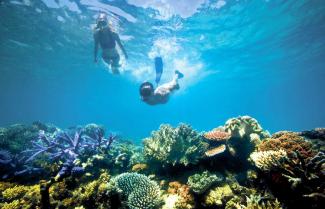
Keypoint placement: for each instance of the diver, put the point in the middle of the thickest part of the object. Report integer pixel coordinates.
(161, 94)
(107, 39)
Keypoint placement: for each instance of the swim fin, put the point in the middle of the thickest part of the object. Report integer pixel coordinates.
(159, 66)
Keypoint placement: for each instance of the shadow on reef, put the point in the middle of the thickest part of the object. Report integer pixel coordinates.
(235, 166)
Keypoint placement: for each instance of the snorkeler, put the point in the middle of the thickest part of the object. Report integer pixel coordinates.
(107, 39)
(160, 95)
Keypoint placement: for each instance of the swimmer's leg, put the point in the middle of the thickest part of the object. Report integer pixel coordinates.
(115, 64)
(179, 74)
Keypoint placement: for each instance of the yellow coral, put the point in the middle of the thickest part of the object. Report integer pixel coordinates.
(5, 185)
(91, 191)
(12, 205)
(217, 195)
(267, 160)
(14, 192)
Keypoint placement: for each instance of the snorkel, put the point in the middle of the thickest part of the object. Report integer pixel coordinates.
(146, 90)
(101, 21)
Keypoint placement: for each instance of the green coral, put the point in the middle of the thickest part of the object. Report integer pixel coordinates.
(199, 183)
(140, 191)
(180, 145)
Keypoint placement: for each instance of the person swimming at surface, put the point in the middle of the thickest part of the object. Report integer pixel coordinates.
(161, 94)
(107, 39)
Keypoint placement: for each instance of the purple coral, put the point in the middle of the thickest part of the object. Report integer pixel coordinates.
(14, 166)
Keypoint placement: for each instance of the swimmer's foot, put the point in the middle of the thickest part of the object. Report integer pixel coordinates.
(179, 74)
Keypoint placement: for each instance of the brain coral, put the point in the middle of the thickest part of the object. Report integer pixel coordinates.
(180, 145)
(140, 191)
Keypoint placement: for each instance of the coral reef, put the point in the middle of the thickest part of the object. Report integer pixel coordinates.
(140, 191)
(174, 146)
(200, 183)
(289, 162)
(81, 168)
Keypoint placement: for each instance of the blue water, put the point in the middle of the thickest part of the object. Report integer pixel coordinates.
(259, 58)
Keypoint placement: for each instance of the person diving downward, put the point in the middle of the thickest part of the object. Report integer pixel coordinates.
(107, 39)
(161, 94)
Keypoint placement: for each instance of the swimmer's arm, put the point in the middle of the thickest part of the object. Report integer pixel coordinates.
(96, 46)
(118, 40)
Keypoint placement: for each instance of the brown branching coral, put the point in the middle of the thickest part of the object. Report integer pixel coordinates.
(290, 142)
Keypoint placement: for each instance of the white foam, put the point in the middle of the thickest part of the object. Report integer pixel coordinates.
(17, 3)
(18, 43)
(98, 6)
(60, 18)
(218, 4)
(70, 4)
(126, 37)
(168, 8)
(51, 4)
(38, 10)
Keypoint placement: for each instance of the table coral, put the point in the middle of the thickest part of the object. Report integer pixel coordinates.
(180, 145)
